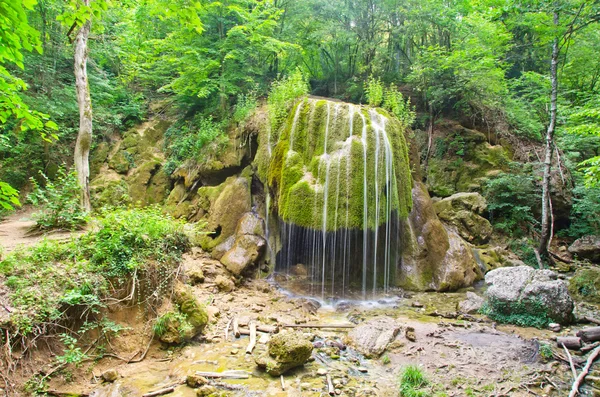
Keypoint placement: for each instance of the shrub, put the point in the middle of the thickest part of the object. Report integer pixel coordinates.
(524, 248)
(412, 382)
(282, 95)
(529, 313)
(58, 202)
(394, 102)
(170, 319)
(511, 199)
(585, 212)
(374, 91)
(9, 197)
(246, 104)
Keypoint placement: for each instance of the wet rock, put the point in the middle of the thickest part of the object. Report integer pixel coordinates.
(246, 250)
(206, 391)
(110, 375)
(526, 291)
(195, 381)
(221, 249)
(372, 337)
(299, 270)
(285, 351)
(224, 284)
(433, 257)
(587, 247)
(250, 223)
(472, 304)
(416, 304)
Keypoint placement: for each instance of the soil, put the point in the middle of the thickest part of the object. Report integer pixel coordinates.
(460, 358)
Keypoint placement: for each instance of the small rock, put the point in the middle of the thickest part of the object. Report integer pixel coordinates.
(285, 351)
(224, 284)
(206, 391)
(554, 327)
(362, 369)
(338, 392)
(322, 372)
(110, 375)
(195, 381)
(305, 386)
(195, 276)
(410, 334)
(234, 352)
(372, 337)
(264, 339)
(417, 304)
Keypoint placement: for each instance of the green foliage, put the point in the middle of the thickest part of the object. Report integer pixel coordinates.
(374, 92)
(58, 202)
(55, 282)
(530, 313)
(163, 323)
(585, 285)
(9, 197)
(545, 351)
(282, 95)
(524, 248)
(72, 354)
(246, 104)
(511, 201)
(585, 212)
(413, 382)
(385, 359)
(394, 102)
(186, 140)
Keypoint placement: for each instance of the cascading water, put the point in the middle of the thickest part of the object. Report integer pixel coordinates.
(338, 197)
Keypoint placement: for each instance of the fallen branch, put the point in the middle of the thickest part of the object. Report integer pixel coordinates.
(282, 382)
(584, 372)
(330, 388)
(589, 348)
(318, 325)
(592, 320)
(570, 342)
(570, 362)
(160, 392)
(233, 374)
(252, 338)
(236, 330)
(590, 334)
(227, 329)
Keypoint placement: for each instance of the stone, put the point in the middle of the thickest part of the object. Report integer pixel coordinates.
(220, 250)
(206, 391)
(433, 257)
(322, 372)
(587, 247)
(416, 304)
(245, 252)
(299, 270)
(462, 211)
(362, 370)
(190, 305)
(285, 351)
(585, 284)
(250, 223)
(554, 327)
(224, 284)
(110, 375)
(195, 381)
(373, 337)
(472, 304)
(527, 291)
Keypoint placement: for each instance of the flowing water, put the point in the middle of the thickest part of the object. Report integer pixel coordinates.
(337, 259)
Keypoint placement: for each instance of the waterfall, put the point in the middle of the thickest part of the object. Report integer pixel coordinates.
(336, 196)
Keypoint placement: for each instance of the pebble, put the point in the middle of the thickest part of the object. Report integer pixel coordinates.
(417, 304)
(554, 327)
(234, 351)
(322, 371)
(338, 391)
(110, 375)
(305, 386)
(362, 369)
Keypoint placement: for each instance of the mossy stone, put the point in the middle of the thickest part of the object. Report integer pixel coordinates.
(585, 285)
(121, 162)
(190, 306)
(285, 351)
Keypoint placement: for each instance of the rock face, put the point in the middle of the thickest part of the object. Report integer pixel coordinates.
(527, 291)
(193, 311)
(374, 336)
(463, 211)
(587, 247)
(472, 304)
(433, 258)
(246, 247)
(285, 351)
(585, 285)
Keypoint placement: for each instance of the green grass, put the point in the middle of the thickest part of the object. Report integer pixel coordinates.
(413, 382)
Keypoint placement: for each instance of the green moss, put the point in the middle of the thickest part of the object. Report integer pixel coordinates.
(530, 313)
(303, 177)
(585, 285)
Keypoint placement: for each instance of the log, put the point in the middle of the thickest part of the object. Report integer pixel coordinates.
(584, 372)
(318, 325)
(282, 382)
(252, 338)
(588, 348)
(233, 374)
(236, 330)
(160, 392)
(573, 371)
(330, 388)
(268, 329)
(570, 342)
(592, 320)
(227, 329)
(590, 334)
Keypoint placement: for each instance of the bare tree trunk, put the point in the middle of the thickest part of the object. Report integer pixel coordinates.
(546, 227)
(84, 137)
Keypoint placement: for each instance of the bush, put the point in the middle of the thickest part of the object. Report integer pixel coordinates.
(246, 104)
(394, 102)
(9, 197)
(585, 212)
(532, 313)
(511, 199)
(412, 382)
(58, 201)
(374, 92)
(524, 248)
(282, 95)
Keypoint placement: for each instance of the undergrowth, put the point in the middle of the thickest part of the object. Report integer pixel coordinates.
(413, 382)
(526, 313)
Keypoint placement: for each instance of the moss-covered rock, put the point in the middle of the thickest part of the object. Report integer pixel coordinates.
(245, 252)
(98, 157)
(121, 162)
(191, 307)
(462, 210)
(285, 351)
(109, 190)
(148, 184)
(585, 285)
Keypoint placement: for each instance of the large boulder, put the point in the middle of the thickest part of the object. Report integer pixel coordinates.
(524, 295)
(463, 211)
(374, 336)
(285, 351)
(587, 247)
(433, 257)
(246, 250)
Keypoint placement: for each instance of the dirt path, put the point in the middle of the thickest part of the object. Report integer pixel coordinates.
(15, 231)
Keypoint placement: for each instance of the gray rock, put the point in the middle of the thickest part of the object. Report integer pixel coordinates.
(472, 304)
(462, 211)
(220, 250)
(245, 252)
(524, 290)
(250, 223)
(373, 337)
(587, 247)
(110, 375)
(285, 351)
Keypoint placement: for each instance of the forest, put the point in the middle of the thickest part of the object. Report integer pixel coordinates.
(349, 197)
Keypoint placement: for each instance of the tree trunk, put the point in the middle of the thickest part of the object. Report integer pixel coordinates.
(84, 137)
(546, 227)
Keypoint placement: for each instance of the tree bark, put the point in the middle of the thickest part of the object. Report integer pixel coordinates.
(546, 227)
(84, 101)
